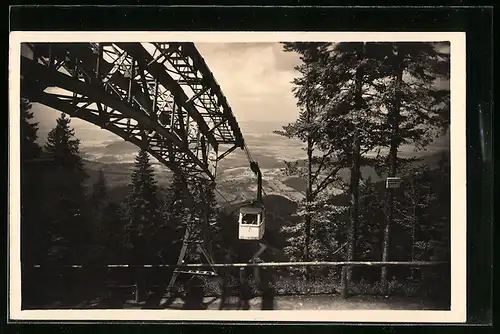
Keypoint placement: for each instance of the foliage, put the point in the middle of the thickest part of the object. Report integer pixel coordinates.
(29, 146)
(68, 228)
(325, 157)
(31, 194)
(99, 192)
(110, 233)
(175, 213)
(327, 227)
(372, 216)
(142, 214)
(422, 201)
(204, 195)
(182, 201)
(106, 224)
(385, 95)
(416, 102)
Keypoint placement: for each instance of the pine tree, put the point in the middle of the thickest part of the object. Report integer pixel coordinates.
(417, 113)
(98, 199)
(371, 222)
(33, 237)
(174, 200)
(142, 212)
(98, 207)
(348, 89)
(411, 206)
(30, 190)
(112, 234)
(63, 147)
(324, 160)
(205, 195)
(175, 213)
(143, 220)
(371, 219)
(29, 147)
(69, 230)
(99, 193)
(338, 119)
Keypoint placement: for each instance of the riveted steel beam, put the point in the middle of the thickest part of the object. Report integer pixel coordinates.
(51, 77)
(199, 63)
(142, 56)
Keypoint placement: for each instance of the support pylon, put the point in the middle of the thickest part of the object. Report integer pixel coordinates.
(197, 242)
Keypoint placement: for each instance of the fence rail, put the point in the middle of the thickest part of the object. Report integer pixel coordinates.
(263, 264)
(344, 284)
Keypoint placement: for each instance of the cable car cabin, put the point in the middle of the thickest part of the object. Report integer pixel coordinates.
(252, 222)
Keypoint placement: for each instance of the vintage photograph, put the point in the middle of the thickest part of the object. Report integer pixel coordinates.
(221, 176)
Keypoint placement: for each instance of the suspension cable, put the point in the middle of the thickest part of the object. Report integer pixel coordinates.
(221, 195)
(250, 160)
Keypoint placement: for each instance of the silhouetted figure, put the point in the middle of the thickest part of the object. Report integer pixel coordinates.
(224, 291)
(194, 296)
(140, 286)
(266, 285)
(225, 273)
(154, 300)
(245, 291)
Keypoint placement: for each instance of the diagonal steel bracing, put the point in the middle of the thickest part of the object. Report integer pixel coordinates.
(159, 96)
(143, 89)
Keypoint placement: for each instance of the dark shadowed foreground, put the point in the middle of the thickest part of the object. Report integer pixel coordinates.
(318, 302)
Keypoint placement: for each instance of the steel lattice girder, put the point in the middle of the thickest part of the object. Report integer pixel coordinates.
(189, 65)
(130, 90)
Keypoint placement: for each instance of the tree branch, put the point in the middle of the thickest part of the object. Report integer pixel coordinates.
(328, 179)
(322, 164)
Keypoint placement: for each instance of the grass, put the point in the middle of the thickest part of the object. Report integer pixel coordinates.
(46, 291)
(294, 285)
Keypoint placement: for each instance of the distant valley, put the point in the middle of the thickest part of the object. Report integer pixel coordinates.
(233, 183)
(235, 180)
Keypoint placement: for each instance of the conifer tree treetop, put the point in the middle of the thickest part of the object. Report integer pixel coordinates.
(29, 147)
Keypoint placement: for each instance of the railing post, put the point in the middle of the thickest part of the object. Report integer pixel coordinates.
(138, 286)
(344, 284)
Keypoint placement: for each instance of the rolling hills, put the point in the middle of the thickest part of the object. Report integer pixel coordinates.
(234, 184)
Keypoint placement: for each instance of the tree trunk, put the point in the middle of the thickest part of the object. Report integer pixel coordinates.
(413, 232)
(393, 156)
(354, 212)
(355, 176)
(308, 195)
(414, 222)
(355, 168)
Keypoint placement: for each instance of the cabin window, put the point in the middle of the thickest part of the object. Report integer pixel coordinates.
(250, 219)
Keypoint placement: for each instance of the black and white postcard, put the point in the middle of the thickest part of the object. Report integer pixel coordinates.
(237, 176)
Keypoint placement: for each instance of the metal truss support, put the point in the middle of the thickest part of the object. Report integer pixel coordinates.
(131, 87)
(197, 240)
